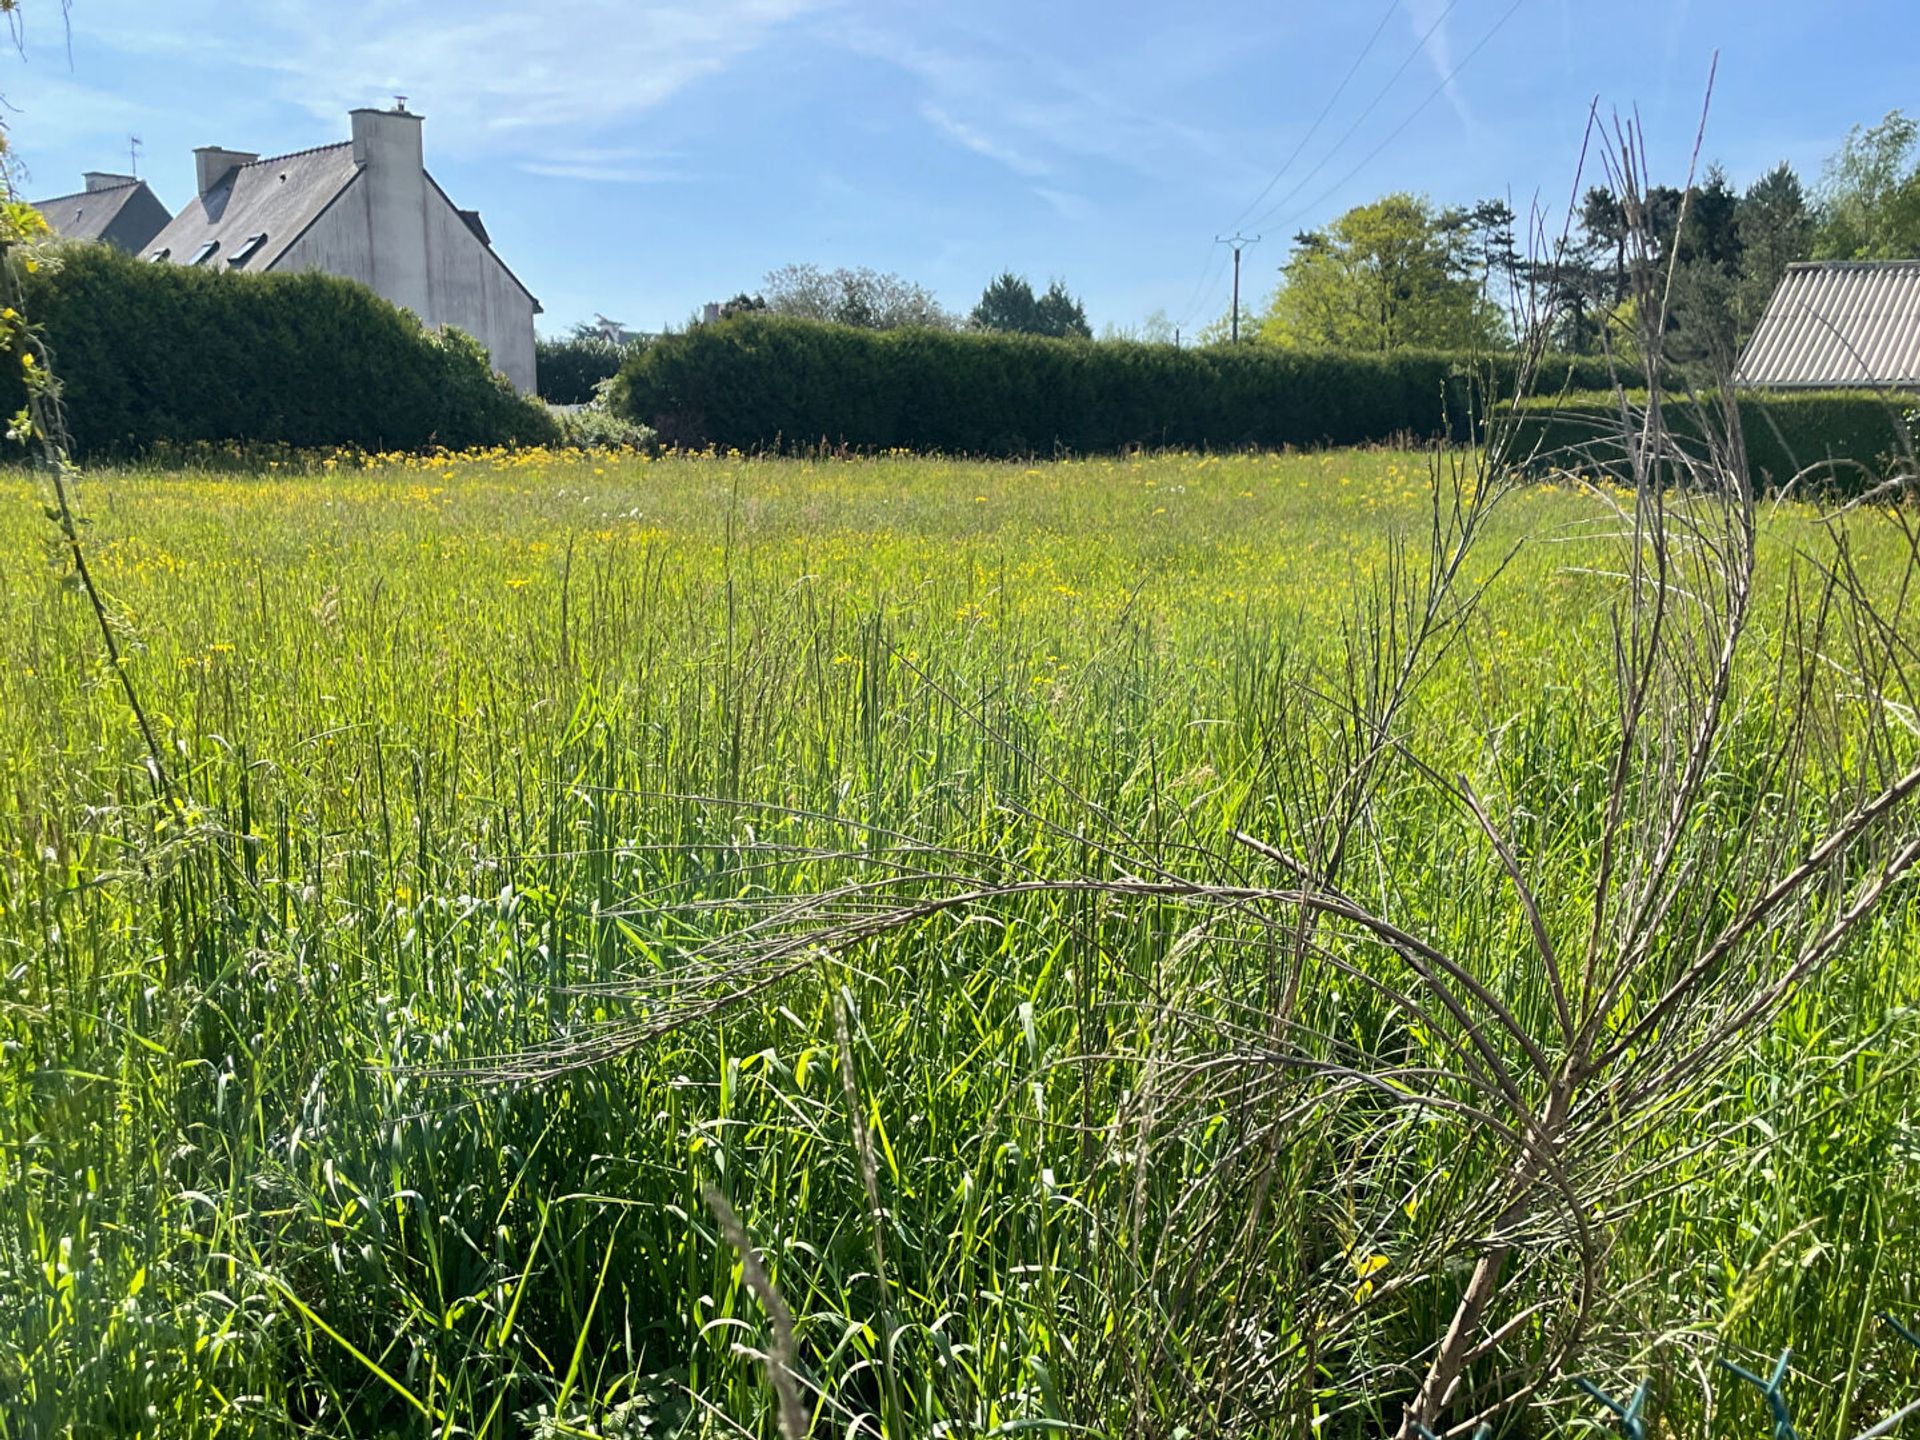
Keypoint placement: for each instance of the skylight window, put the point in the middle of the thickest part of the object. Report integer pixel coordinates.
(157, 256)
(248, 249)
(204, 253)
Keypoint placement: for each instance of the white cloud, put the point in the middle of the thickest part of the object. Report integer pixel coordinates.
(1065, 204)
(1429, 19)
(1031, 114)
(515, 79)
(621, 165)
(972, 139)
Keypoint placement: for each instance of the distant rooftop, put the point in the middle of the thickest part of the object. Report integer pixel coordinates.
(115, 209)
(1839, 325)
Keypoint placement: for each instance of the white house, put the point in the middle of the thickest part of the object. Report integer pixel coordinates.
(366, 209)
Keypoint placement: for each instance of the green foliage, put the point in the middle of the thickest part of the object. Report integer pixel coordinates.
(434, 763)
(859, 297)
(1870, 194)
(1776, 226)
(760, 382)
(1847, 437)
(1385, 276)
(595, 427)
(164, 353)
(1008, 304)
(570, 370)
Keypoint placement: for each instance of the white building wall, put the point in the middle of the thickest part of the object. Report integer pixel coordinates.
(468, 287)
(340, 242)
(393, 230)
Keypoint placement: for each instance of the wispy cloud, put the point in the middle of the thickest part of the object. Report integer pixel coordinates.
(1039, 120)
(614, 165)
(1430, 20)
(1065, 204)
(518, 79)
(969, 138)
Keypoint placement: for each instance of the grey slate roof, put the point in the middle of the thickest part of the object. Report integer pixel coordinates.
(126, 215)
(1839, 324)
(278, 196)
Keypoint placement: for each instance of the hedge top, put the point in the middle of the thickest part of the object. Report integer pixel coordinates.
(766, 382)
(164, 353)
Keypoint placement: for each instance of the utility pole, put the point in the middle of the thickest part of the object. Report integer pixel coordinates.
(1239, 242)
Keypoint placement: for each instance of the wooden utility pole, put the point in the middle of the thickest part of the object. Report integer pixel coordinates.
(1239, 242)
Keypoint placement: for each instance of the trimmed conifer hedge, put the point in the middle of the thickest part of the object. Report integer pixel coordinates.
(151, 354)
(1845, 438)
(768, 382)
(570, 369)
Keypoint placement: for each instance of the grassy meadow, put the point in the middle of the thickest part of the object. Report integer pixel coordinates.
(470, 752)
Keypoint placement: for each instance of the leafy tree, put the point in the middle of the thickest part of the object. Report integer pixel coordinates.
(1776, 229)
(1157, 329)
(1009, 304)
(1385, 276)
(1870, 195)
(861, 297)
(1486, 235)
(1061, 315)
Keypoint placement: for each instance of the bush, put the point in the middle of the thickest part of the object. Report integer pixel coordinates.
(594, 427)
(1846, 436)
(759, 382)
(162, 353)
(571, 370)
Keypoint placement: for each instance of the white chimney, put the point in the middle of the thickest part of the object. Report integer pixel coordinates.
(386, 144)
(213, 163)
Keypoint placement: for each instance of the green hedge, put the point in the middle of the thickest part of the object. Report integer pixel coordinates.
(151, 354)
(569, 370)
(1848, 435)
(760, 382)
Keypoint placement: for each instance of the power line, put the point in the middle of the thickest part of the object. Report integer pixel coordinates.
(1203, 287)
(1412, 115)
(1325, 110)
(1211, 271)
(1372, 105)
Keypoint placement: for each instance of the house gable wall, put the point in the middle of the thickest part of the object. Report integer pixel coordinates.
(469, 287)
(432, 258)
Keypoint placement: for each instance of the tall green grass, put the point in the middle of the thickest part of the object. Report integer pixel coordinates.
(469, 750)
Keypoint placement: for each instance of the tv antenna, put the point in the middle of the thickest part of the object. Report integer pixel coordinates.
(133, 155)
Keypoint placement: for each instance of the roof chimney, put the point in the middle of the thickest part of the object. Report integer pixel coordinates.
(98, 180)
(212, 164)
(382, 137)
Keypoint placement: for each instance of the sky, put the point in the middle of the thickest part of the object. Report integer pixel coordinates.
(635, 160)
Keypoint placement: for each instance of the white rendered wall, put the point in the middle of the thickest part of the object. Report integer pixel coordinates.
(393, 230)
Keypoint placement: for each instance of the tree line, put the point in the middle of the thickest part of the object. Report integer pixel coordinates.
(1400, 272)
(871, 300)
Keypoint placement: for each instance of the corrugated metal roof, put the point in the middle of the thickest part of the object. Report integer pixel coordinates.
(278, 197)
(1839, 324)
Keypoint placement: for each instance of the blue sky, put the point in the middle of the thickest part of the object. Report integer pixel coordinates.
(636, 159)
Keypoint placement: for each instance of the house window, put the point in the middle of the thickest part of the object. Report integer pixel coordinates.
(248, 249)
(204, 253)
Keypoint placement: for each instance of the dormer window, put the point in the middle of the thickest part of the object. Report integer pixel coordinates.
(204, 253)
(248, 249)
